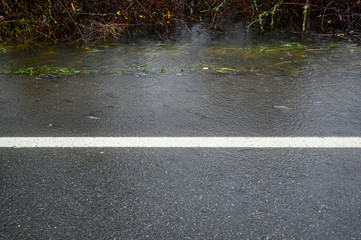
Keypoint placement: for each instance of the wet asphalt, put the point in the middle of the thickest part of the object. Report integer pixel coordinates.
(103, 193)
(180, 194)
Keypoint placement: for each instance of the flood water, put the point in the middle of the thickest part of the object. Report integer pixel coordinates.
(192, 84)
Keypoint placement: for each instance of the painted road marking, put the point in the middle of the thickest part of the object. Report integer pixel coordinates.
(180, 142)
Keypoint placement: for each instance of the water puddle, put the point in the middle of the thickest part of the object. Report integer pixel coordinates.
(195, 84)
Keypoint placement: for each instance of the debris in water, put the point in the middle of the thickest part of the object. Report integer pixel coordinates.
(282, 107)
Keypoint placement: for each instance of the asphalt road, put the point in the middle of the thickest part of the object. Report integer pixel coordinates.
(180, 194)
(171, 193)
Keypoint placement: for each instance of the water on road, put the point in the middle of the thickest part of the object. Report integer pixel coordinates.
(194, 85)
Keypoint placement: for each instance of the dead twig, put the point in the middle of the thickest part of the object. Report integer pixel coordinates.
(76, 25)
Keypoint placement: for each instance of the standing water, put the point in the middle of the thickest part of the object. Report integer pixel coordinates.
(194, 84)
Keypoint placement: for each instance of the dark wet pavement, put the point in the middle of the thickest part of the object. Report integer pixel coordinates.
(128, 193)
(180, 194)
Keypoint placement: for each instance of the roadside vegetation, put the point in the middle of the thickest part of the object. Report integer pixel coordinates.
(89, 21)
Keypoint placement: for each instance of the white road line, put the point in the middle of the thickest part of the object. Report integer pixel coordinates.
(180, 142)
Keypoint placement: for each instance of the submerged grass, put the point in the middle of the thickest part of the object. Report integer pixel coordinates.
(282, 58)
(40, 70)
